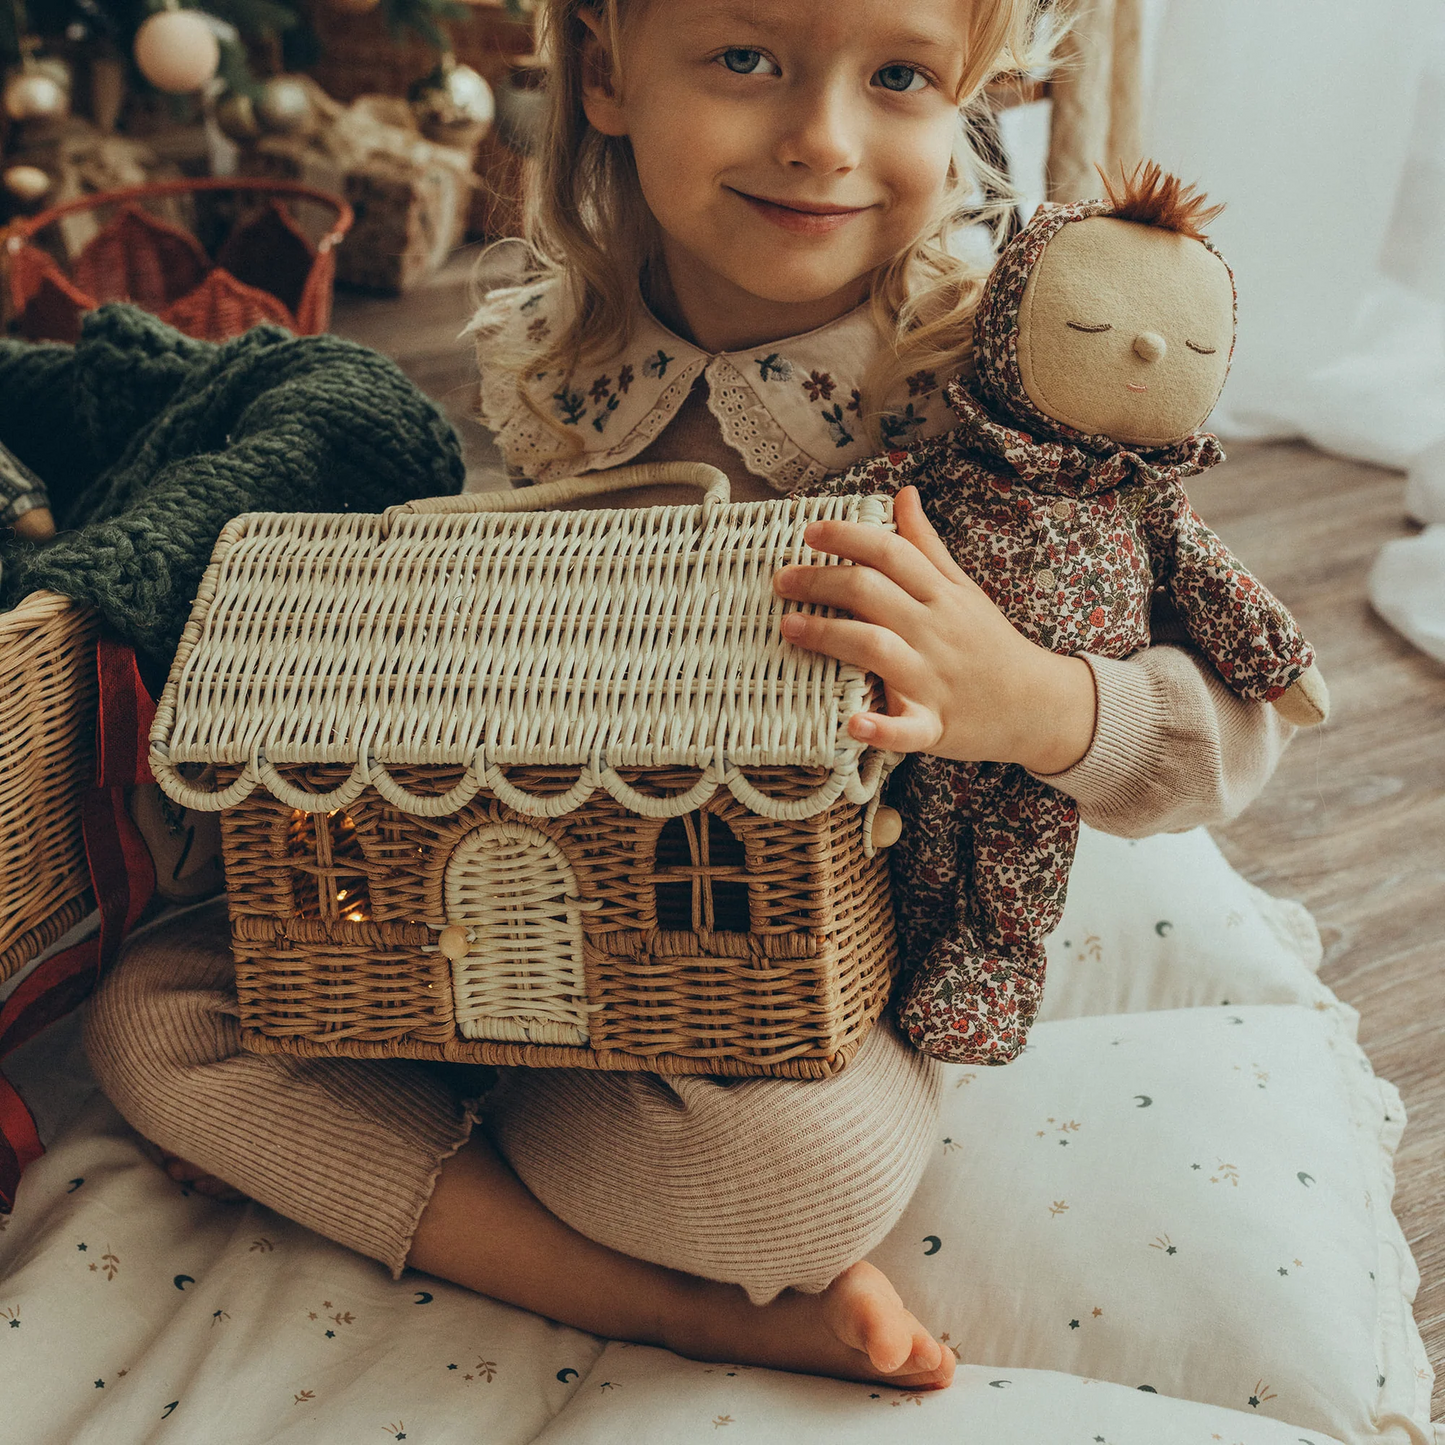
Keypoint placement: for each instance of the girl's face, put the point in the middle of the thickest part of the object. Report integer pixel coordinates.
(786, 148)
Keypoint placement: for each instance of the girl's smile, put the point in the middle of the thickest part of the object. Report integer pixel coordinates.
(805, 218)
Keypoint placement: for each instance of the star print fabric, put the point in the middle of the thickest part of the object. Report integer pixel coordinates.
(20, 489)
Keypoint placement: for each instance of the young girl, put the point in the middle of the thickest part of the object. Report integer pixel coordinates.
(743, 213)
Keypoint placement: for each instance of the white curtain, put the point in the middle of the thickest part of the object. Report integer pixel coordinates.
(1319, 123)
(1322, 124)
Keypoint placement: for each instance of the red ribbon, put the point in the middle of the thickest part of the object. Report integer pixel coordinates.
(122, 878)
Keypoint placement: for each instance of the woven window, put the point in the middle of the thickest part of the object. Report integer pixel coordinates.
(702, 876)
(328, 871)
(514, 889)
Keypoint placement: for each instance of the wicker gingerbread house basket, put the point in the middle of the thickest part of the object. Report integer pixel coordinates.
(542, 788)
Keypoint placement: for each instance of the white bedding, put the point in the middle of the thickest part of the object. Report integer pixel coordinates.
(131, 1311)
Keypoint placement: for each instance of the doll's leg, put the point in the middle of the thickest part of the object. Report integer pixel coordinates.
(931, 863)
(977, 993)
(767, 1183)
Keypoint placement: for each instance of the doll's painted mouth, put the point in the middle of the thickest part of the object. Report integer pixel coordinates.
(1136, 386)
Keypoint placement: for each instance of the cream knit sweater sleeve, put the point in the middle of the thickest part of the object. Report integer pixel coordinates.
(1173, 746)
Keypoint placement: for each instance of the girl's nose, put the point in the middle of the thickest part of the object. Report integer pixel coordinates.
(821, 135)
(1150, 346)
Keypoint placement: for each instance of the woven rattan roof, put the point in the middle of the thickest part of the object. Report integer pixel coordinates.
(601, 639)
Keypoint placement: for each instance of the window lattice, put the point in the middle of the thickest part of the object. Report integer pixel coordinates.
(701, 876)
(329, 878)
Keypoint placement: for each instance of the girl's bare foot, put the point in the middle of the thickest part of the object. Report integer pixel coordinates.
(184, 1172)
(856, 1329)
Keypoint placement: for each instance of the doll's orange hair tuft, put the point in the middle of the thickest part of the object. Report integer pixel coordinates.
(1152, 197)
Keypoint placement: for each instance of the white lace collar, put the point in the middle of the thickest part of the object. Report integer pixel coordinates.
(790, 409)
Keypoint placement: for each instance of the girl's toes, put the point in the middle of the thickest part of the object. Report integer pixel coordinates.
(927, 1355)
(217, 1189)
(864, 1311)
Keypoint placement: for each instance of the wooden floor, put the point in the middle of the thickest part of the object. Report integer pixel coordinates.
(1353, 823)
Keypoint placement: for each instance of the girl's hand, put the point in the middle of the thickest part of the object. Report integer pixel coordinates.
(961, 681)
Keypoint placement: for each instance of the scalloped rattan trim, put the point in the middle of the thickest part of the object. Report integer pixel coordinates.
(238, 693)
(791, 997)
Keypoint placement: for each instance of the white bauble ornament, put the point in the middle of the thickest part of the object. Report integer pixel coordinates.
(453, 105)
(285, 107)
(34, 95)
(522, 107)
(26, 183)
(177, 51)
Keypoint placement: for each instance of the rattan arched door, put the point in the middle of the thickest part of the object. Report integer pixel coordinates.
(522, 979)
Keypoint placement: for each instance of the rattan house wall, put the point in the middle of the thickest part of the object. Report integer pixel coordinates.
(640, 837)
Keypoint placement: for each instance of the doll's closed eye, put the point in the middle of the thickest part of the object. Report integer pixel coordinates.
(1202, 350)
(1079, 326)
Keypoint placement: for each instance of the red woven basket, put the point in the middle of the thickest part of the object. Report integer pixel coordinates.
(265, 269)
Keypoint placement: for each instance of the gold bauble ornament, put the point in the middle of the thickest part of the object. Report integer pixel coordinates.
(453, 105)
(35, 94)
(177, 51)
(26, 183)
(236, 115)
(285, 107)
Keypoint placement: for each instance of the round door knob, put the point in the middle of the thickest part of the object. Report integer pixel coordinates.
(455, 941)
(887, 827)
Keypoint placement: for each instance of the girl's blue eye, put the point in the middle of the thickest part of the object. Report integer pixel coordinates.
(748, 62)
(901, 78)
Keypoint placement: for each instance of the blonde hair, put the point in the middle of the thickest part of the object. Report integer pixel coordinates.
(590, 229)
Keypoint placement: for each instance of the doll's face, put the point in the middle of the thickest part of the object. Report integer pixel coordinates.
(1125, 331)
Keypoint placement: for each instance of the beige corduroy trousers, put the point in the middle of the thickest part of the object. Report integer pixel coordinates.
(765, 1183)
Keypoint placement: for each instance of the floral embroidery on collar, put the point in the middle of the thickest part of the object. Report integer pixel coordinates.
(791, 409)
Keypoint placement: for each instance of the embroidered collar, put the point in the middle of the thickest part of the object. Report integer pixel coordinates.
(790, 409)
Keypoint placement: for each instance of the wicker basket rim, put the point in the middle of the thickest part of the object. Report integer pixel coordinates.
(24, 228)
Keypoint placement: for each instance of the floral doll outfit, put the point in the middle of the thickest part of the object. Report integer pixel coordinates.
(1073, 537)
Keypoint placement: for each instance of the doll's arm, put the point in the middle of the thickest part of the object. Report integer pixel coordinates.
(1239, 625)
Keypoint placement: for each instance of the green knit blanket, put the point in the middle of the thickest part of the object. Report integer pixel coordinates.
(150, 442)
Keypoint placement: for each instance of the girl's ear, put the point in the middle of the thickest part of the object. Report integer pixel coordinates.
(600, 98)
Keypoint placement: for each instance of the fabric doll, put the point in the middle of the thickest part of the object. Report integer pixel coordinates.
(1103, 338)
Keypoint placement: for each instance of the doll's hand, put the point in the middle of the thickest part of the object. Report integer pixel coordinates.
(961, 681)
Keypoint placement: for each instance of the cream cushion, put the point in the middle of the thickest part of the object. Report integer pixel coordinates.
(1165, 923)
(1196, 1202)
(224, 1311)
(649, 1397)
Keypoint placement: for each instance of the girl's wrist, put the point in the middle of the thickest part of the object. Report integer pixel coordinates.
(1056, 714)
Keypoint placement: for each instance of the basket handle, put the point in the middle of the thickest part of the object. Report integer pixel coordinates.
(717, 491)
